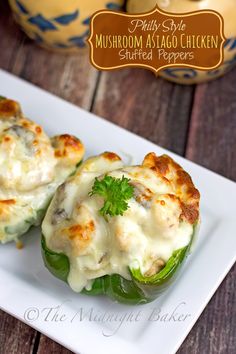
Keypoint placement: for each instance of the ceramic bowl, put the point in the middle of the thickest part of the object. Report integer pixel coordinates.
(59, 25)
(227, 8)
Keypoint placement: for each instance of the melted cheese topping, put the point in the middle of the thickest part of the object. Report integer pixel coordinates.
(153, 227)
(30, 169)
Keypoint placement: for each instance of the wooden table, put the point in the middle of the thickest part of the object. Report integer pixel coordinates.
(196, 122)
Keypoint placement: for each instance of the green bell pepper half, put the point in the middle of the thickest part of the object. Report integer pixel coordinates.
(57, 263)
(138, 290)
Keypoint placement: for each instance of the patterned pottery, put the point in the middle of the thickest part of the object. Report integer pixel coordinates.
(227, 8)
(59, 25)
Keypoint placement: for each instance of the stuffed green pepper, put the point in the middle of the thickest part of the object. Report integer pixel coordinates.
(121, 231)
(32, 166)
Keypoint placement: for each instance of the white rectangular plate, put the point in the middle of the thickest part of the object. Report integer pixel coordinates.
(85, 324)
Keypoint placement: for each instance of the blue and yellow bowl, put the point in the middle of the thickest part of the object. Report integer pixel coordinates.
(227, 8)
(59, 25)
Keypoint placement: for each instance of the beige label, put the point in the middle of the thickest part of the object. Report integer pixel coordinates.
(157, 40)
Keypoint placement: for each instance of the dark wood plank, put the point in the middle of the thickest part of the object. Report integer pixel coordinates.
(153, 108)
(212, 136)
(70, 77)
(46, 345)
(212, 143)
(15, 336)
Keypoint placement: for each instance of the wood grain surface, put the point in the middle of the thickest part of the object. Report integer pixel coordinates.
(196, 122)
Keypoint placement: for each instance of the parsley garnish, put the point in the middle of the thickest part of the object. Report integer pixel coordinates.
(116, 192)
